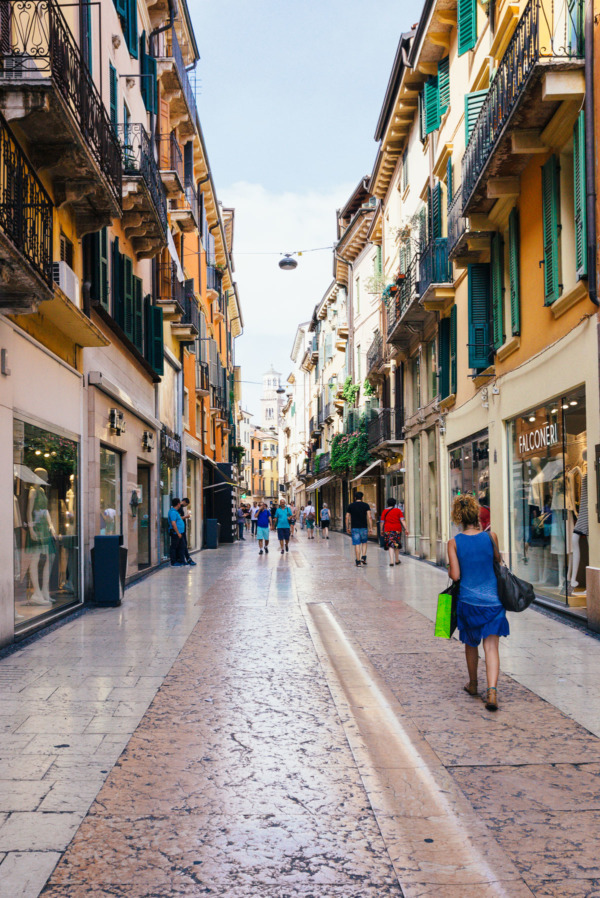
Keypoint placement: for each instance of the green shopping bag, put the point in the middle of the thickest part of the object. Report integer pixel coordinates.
(445, 618)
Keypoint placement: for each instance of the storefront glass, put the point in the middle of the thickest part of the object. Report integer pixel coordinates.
(170, 459)
(45, 522)
(470, 473)
(144, 517)
(549, 498)
(110, 492)
(191, 481)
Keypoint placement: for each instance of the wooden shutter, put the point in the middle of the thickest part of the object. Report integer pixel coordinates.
(422, 115)
(117, 283)
(154, 336)
(436, 211)
(449, 181)
(131, 28)
(579, 195)
(513, 272)
(128, 297)
(473, 103)
(188, 162)
(453, 350)
(98, 249)
(550, 220)
(145, 87)
(444, 84)
(114, 95)
(444, 357)
(479, 315)
(466, 25)
(138, 314)
(497, 290)
(121, 7)
(432, 104)
(378, 261)
(152, 68)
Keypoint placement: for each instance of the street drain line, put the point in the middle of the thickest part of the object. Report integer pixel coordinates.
(432, 833)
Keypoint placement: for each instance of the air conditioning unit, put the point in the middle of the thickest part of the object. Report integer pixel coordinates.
(18, 67)
(67, 280)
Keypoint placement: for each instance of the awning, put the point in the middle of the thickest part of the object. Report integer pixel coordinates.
(366, 471)
(319, 483)
(224, 482)
(173, 250)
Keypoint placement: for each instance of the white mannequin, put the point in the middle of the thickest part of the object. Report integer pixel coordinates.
(38, 520)
(540, 555)
(581, 525)
(69, 525)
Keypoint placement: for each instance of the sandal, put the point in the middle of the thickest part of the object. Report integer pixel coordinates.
(491, 699)
(471, 688)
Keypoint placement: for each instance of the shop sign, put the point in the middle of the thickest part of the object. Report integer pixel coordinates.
(170, 447)
(536, 438)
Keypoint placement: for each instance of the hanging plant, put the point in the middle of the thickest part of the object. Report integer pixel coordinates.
(368, 389)
(350, 391)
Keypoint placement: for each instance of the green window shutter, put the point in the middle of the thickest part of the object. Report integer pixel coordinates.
(153, 81)
(498, 290)
(444, 357)
(513, 272)
(432, 104)
(449, 181)
(423, 227)
(144, 81)
(121, 7)
(131, 28)
(98, 244)
(114, 95)
(154, 335)
(138, 315)
(404, 170)
(128, 297)
(550, 220)
(436, 211)
(378, 261)
(466, 25)
(117, 283)
(579, 195)
(473, 104)
(444, 84)
(479, 315)
(422, 115)
(453, 350)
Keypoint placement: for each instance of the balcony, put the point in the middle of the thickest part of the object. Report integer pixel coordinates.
(202, 381)
(184, 209)
(314, 349)
(144, 201)
(175, 82)
(187, 328)
(405, 314)
(466, 244)
(171, 291)
(170, 164)
(25, 231)
(435, 276)
(531, 105)
(375, 356)
(386, 431)
(329, 411)
(314, 427)
(46, 87)
(214, 279)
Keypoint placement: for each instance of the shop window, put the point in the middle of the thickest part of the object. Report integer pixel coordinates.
(548, 490)
(470, 475)
(110, 492)
(45, 522)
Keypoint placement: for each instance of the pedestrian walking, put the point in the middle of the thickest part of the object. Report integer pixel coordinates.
(359, 524)
(263, 521)
(302, 517)
(480, 614)
(293, 520)
(325, 521)
(282, 518)
(391, 525)
(310, 516)
(176, 531)
(253, 516)
(240, 522)
(246, 516)
(184, 511)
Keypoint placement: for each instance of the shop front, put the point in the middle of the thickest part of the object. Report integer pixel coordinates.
(470, 474)
(170, 460)
(193, 467)
(370, 483)
(549, 497)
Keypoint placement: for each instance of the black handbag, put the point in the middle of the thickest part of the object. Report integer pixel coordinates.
(515, 594)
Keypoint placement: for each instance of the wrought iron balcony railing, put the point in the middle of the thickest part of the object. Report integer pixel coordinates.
(408, 289)
(191, 195)
(352, 421)
(202, 381)
(375, 353)
(191, 312)
(25, 207)
(386, 426)
(138, 159)
(324, 461)
(434, 266)
(214, 278)
(170, 288)
(457, 223)
(546, 32)
(36, 43)
(174, 50)
(170, 157)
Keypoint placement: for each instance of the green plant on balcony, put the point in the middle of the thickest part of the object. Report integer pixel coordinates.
(368, 389)
(350, 451)
(237, 454)
(317, 463)
(350, 391)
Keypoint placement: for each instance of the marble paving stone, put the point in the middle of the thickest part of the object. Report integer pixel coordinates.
(23, 874)
(22, 796)
(24, 767)
(52, 723)
(22, 831)
(567, 888)
(76, 746)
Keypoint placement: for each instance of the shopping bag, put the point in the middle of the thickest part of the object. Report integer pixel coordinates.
(445, 618)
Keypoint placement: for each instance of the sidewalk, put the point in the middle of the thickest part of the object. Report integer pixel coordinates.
(249, 718)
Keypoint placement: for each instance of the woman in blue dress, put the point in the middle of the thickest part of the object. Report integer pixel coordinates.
(481, 615)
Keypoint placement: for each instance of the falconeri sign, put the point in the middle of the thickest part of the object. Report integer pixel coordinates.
(537, 440)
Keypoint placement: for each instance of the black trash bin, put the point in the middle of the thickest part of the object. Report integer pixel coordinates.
(212, 533)
(109, 568)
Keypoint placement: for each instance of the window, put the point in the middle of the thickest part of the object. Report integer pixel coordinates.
(95, 266)
(149, 76)
(66, 250)
(432, 374)
(473, 103)
(551, 223)
(466, 25)
(186, 406)
(497, 290)
(110, 492)
(114, 95)
(127, 10)
(579, 196)
(479, 315)
(415, 377)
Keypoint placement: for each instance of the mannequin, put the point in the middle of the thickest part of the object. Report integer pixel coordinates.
(538, 542)
(582, 525)
(68, 529)
(40, 540)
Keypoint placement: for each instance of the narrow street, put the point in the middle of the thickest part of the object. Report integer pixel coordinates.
(288, 726)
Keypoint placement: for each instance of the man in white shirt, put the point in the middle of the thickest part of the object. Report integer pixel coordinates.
(253, 517)
(310, 517)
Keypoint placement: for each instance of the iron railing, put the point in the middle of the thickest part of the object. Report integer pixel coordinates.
(174, 50)
(386, 425)
(352, 420)
(191, 312)
(457, 223)
(202, 381)
(324, 461)
(214, 278)
(36, 42)
(138, 159)
(408, 289)
(170, 288)
(546, 30)
(375, 353)
(191, 195)
(312, 426)
(25, 207)
(170, 157)
(328, 410)
(321, 415)
(435, 267)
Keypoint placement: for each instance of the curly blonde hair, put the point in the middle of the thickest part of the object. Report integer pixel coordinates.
(465, 511)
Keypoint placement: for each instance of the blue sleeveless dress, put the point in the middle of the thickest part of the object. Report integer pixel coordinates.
(480, 612)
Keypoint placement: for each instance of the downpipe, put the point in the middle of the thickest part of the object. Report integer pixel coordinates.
(590, 159)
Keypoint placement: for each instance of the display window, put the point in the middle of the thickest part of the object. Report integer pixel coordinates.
(548, 486)
(111, 519)
(191, 481)
(470, 474)
(45, 522)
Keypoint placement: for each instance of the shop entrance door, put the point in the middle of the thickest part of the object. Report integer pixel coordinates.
(143, 511)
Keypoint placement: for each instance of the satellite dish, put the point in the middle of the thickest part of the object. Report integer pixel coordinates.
(288, 263)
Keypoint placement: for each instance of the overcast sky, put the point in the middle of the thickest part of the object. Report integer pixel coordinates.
(289, 95)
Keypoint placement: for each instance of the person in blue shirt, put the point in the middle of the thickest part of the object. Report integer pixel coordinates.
(282, 518)
(176, 531)
(263, 522)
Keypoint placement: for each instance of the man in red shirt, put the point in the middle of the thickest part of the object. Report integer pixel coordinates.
(391, 526)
